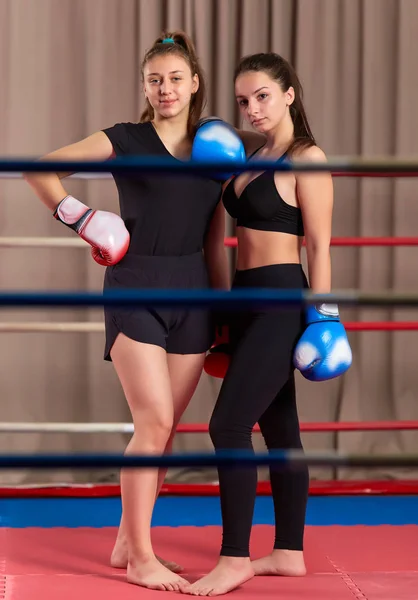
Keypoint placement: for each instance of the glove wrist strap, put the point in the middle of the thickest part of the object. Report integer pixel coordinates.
(328, 310)
(322, 312)
(74, 214)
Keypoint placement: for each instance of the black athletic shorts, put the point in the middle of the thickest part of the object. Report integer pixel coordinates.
(178, 330)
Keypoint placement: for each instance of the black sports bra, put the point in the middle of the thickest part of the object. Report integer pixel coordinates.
(261, 207)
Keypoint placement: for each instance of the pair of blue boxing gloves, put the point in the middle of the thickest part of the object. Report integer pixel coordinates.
(323, 351)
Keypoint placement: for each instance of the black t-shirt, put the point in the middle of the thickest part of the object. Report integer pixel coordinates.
(165, 214)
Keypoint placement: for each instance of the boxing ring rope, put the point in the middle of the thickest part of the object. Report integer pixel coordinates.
(345, 172)
(402, 487)
(132, 165)
(108, 176)
(286, 459)
(186, 428)
(48, 327)
(98, 327)
(230, 242)
(198, 298)
(348, 166)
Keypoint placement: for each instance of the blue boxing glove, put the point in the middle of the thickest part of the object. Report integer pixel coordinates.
(217, 141)
(323, 351)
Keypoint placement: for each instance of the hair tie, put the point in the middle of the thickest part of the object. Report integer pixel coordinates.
(168, 40)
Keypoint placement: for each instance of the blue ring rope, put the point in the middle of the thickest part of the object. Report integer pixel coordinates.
(203, 298)
(134, 164)
(287, 459)
(159, 297)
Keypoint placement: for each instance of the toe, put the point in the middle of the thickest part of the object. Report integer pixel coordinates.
(208, 592)
(193, 591)
(200, 591)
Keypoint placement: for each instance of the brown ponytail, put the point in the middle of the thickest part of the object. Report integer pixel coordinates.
(184, 47)
(281, 71)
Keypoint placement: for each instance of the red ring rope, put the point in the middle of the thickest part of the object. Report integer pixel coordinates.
(381, 326)
(323, 426)
(231, 242)
(331, 487)
(380, 174)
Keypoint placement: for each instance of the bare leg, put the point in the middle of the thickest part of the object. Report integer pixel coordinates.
(143, 373)
(184, 372)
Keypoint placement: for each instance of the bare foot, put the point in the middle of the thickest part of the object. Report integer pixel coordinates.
(229, 573)
(152, 574)
(119, 558)
(171, 565)
(288, 563)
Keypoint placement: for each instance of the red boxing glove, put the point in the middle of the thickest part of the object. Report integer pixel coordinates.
(104, 231)
(217, 361)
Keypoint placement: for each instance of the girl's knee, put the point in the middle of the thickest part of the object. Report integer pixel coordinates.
(228, 433)
(282, 440)
(151, 433)
(215, 430)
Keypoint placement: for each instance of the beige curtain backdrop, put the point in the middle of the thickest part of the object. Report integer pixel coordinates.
(71, 67)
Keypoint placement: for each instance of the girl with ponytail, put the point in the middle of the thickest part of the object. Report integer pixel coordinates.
(280, 111)
(177, 241)
(176, 44)
(177, 222)
(170, 234)
(274, 211)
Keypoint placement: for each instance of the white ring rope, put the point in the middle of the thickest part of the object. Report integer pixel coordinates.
(13, 175)
(66, 427)
(42, 242)
(47, 327)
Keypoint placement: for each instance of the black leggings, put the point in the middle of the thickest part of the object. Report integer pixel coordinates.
(260, 387)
